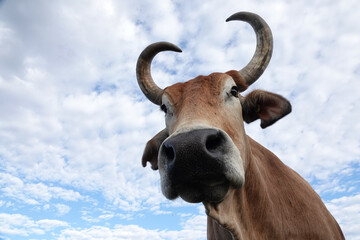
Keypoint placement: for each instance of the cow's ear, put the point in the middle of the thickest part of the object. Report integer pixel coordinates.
(152, 149)
(268, 107)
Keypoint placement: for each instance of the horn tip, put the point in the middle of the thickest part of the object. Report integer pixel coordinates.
(239, 16)
(167, 46)
(176, 49)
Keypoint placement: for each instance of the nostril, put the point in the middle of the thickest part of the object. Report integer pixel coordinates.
(213, 142)
(169, 152)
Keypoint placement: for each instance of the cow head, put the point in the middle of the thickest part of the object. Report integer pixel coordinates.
(204, 151)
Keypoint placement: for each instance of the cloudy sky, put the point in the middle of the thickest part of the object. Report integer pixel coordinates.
(73, 122)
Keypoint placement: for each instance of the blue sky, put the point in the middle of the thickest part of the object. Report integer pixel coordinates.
(74, 123)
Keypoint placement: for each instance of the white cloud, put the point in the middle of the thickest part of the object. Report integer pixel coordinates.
(17, 224)
(106, 216)
(32, 193)
(347, 211)
(119, 232)
(194, 228)
(48, 224)
(62, 209)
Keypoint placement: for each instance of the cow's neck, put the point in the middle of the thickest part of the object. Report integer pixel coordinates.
(249, 210)
(274, 203)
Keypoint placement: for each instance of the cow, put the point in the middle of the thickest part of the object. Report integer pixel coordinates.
(204, 155)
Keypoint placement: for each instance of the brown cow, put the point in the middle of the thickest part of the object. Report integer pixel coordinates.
(204, 155)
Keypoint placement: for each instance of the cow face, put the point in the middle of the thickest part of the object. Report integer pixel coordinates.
(199, 159)
(203, 150)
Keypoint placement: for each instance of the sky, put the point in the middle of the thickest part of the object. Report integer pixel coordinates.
(74, 123)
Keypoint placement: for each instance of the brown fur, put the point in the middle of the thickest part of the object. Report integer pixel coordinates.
(275, 202)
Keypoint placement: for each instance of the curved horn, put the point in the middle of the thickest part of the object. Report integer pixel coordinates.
(264, 46)
(143, 70)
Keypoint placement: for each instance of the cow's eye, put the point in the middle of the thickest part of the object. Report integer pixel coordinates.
(163, 108)
(234, 91)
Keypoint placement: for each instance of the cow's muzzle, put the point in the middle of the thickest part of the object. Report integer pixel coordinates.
(194, 165)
